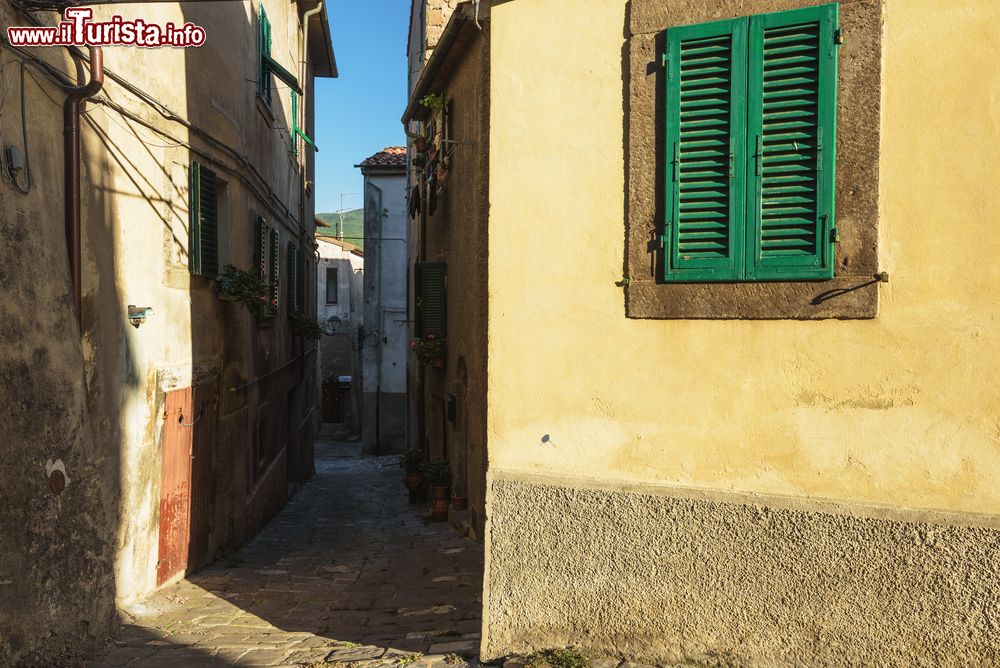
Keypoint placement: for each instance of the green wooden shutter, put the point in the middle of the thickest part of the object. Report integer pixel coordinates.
(203, 220)
(208, 208)
(263, 49)
(293, 279)
(294, 132)
(194, 219)
(431, 302)
(275, 266)
(260, 246)
(791, 135)
(705, 123)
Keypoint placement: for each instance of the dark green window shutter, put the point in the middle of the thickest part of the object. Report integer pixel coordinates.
(791, 137)
(294, 132)
(203, 221)
(260, 246)
(275, 266)
(431, 301)
(293, 279)
(705, 150)
(263, 49)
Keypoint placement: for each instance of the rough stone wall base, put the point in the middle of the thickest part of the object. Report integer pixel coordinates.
(736, 581)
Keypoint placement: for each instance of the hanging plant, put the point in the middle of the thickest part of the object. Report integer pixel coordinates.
(433, 101)
(429, 350)
(304, 325)
(247, 288)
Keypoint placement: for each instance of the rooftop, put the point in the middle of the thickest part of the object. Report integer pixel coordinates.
(391, 156)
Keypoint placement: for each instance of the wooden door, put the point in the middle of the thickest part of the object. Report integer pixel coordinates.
(204, 403)
(175, 486)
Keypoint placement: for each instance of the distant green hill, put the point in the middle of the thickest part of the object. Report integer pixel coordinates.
(354, 226)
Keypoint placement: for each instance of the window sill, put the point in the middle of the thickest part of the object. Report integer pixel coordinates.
(844, 297)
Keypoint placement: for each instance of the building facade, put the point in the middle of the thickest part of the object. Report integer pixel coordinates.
(449, 202)
(340, 310)
(720, 426)
(153, 424)
(385, 321)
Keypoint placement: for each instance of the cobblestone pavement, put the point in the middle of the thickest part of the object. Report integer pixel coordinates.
(348, 572)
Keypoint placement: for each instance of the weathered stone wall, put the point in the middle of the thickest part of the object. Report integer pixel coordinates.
(665, 576)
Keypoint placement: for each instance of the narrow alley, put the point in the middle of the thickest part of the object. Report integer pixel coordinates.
(349, 571)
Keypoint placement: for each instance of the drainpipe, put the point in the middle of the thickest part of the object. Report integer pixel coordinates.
(71, 135)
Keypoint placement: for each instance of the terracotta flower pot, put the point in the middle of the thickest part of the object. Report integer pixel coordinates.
(459, 502)
(439, 505)
(414, 481)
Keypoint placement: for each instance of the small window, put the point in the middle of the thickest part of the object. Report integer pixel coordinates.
(263, 49)
(431, 299)
(331, 285)
(203, 221)
(751, 131)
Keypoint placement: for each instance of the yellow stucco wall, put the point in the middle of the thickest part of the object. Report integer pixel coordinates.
(903, 410)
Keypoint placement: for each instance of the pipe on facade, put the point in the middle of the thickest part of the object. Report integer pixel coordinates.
(71, 137)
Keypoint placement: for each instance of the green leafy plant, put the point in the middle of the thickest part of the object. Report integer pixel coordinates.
(429, 349)
(246, 287)
(557, 658)
(304, 325)
(412, 461)
(433, 101)
(407, 659)
(439, 473)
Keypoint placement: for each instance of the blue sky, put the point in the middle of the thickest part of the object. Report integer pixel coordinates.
(358, 113)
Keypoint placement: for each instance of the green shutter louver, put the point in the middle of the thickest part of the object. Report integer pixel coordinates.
(293, 279)
(203, 221)
(275, 251)
(706, 110)
(431, 300)
(294, 132)
(260, 246)
(791, 136)
(263, 49)
(751, 110)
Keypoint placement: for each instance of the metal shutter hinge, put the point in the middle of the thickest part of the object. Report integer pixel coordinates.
(838, 36)
(835, 236)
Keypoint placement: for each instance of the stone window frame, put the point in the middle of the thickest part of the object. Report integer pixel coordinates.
(853, 293)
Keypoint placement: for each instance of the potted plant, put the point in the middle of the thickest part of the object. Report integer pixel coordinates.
(429, 350)
(412, 462)
(246, 287)
(420, 143)
(439, 476)
(304, 325)
(433, 101)
(420, 160)
(459, 501)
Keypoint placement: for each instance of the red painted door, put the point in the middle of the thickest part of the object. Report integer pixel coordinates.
(175, 486)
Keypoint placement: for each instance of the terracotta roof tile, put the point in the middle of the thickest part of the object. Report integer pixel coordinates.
(391, 156)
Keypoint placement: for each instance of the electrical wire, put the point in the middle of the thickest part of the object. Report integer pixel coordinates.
(281, 212)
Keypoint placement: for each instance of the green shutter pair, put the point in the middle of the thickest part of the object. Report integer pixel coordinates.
(203, 221)
(263, 49)
(751, 130)
(431, 302)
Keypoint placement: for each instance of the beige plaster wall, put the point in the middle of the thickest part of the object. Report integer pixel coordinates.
(901, 410)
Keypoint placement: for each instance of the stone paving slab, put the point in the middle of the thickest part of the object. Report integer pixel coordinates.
(347, 573)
